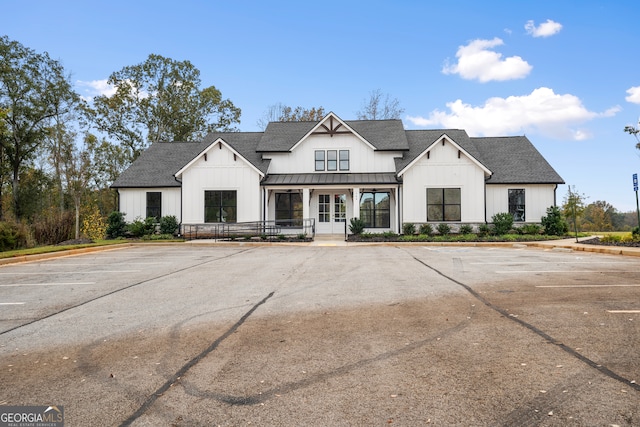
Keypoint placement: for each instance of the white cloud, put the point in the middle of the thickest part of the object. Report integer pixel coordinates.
(95, 88)
(477, 61)
(634, 95)
(540, 112)
(546, 29)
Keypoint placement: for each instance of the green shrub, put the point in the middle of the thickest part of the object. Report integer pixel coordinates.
(635, 233)
(12, 236)
(529, 229)
(408, 228)
(466, 229)
(553, 223)
(137, 228)
(502, 223)
(426, 229)
(168, 225)
(116, 225)
(484, 230)
(443, 229)
(356, 225)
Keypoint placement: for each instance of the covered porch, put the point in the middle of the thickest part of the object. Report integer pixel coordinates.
(332, 199)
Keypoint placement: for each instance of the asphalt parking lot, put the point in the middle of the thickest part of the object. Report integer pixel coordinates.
(286, 335)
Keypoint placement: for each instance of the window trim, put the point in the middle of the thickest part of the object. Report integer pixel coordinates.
(220, 206)
(319, 163)
(154, 207)
(374, 210)
(291, 220)
(444, 204)
(512, 208)
(332, 160)
(341, 160)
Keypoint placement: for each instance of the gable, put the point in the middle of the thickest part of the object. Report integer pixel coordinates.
(379, 135)
(214, 152)
(423, 144)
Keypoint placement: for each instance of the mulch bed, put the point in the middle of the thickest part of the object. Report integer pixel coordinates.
(597, 241)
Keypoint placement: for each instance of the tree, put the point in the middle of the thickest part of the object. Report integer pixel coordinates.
(635, 132)
(573, 207)
(33, 89)
(107, 161)
(380, 106)
(161, 100)
(283, 113)
(599, 216)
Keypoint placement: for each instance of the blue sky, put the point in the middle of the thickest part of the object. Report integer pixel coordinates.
(564, 73)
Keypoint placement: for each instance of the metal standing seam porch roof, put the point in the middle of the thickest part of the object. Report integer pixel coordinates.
(331, 179)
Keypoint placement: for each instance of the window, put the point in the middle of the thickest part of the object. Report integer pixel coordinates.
(324, 208)
(443, 204)
(289, 209)
(344, 160)
(335, 159)
(154, 204)
(319, 160)
(375, 209)
(516, 204)
(332, 160)
(220, 206)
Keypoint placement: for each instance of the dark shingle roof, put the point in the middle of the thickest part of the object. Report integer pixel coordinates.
(514, 160)
(158, 164)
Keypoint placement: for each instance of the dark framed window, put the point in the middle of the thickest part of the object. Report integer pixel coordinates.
(375, 209)
(344, 160)
(332, 160)
(220, 206)
(154, 204)
(289, 209)
(319, 160)
(443, 204)
(516, 204)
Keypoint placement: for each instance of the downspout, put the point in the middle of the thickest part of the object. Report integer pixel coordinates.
(181, 203)
(555, 189)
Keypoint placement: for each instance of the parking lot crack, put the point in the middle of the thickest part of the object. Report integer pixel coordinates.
(191, 363)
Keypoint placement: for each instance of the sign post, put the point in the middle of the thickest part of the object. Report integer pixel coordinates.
(635, 188)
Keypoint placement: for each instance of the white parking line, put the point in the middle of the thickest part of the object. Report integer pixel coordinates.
(47, 284)
(547, 262)
(559, 271)
(71, 272)
(587, 286)
(623, 311)
(11, 303)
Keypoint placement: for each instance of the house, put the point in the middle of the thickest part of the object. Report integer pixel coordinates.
(333, 170)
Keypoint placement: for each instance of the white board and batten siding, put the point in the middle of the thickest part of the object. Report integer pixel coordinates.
(220, 172)
(362, 157)
(537, 198)
(133, 202)
(443, 168)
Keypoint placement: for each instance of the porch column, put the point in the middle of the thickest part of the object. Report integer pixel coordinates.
(305, 203)
(356, 203)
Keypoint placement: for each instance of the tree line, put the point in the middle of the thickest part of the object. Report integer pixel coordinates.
(59, 152)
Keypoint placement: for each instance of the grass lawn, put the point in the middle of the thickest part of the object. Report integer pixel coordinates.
(56, 248)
